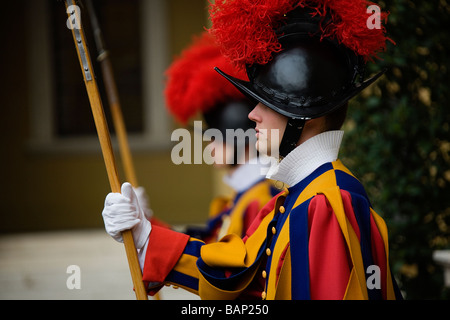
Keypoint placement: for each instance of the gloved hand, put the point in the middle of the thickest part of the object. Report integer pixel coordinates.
(123, 212)
(144, 202)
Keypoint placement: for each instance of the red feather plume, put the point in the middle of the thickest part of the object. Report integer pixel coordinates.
(192, 83)
(245, 29)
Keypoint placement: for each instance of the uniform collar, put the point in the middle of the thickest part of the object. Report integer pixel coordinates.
(307, 157)
(246, 175)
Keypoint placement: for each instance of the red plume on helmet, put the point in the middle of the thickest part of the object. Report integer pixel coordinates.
(192, 84)
(245, 29)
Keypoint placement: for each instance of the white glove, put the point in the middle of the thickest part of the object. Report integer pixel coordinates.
(144, 202)
(123, 212)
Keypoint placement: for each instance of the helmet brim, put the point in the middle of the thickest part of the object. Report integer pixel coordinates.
(306, 112)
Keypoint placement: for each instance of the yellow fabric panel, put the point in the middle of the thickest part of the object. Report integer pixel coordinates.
(357, 283)
(261, 193)
(381, 225)
(326, 180)
(282, 242)
(217, 205)
(337, 165)
(229, 252)
(283, 287)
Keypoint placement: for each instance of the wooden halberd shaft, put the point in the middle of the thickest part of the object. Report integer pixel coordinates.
(74, 23)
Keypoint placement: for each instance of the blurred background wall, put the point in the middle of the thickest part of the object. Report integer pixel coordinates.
(52, 171)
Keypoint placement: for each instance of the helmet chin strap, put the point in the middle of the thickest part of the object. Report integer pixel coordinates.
(292, 133)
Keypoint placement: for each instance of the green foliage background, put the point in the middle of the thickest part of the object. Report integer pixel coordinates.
(398, 142)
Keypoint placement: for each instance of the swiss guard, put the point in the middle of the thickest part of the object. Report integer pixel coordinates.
(193, 87)
(319, 238)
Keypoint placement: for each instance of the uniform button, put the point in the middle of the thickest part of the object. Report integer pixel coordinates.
(274, 230)
(263, 295)
(268, 252)
(264, 274)
(175, 287)
(282, 209)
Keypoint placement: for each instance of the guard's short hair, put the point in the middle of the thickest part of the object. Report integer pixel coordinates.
(335, 120)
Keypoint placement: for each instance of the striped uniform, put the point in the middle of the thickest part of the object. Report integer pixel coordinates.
(235, 215)
(319, 239)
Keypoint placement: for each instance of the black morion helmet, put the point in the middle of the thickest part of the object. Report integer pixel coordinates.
(309, 78)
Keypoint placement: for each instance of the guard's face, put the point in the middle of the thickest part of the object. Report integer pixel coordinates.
(270, 127)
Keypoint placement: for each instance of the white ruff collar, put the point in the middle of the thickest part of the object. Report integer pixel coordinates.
(246, 175)
(306, 158)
